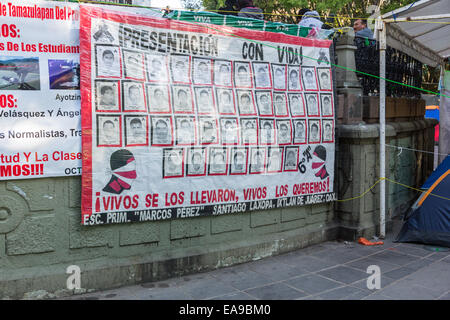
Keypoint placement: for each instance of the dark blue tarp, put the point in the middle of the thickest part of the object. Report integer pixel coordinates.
(439, 171)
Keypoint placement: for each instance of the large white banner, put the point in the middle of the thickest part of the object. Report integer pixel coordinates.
(182, 120)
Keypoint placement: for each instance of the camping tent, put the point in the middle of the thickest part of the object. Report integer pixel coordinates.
(428, 220)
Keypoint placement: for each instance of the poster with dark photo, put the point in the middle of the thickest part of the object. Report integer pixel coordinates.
(238, 161)
(257, 160)
(245, 102)
(202, 71)
(264, 102)
(63, 74)
(229, 131)
(136, 130)
(180, 68)
(263, 78)
(294, 78)
(299, 131)
(208, 130)
(196, 162)
(157, 70)
(225, 101)
(158, 98)
(309, 78)
(222, 73)
(133, 96)
(108, 61)
(182, 99)
(326, 102)
(291, 159)
(204, 100)
(279, 76)
(242, 75)
(107, 95)
(162, 131)
(284, 132)
(280, 104)
(296, 104)
(275, 160)
(314, 131)
(249, 131)
(324, 79)
(328, 130)
(109, 131)
(133, 65)
(185, 130)
(217, 161)
(266, 131)
(312, 104)
(173, 163)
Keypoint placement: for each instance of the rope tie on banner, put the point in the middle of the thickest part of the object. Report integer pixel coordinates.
(417, 150)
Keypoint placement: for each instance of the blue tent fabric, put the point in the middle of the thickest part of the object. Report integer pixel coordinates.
(429, 222)
(441, 169)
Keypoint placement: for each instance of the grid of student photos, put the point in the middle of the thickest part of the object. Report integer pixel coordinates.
(211, 116)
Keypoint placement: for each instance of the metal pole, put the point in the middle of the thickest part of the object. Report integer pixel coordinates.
(382, 43)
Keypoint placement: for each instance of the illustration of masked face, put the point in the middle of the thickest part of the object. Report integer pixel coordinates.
(239, 161)
(318, 162)
(123, 167)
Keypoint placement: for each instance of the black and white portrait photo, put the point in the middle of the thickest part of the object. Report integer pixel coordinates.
(279, 76)
(296, 104)
(280, 104)
(262, 75)
(202, 71)
(294, 78)
(229, 131)
(266, 131)
(217, 161)
(275, 160)
(312, 104)
(133, 65)
(173, 163)
(242, 75)
(324, 75)
(314, 131)
(328, 130)
(185, 130)
(108, 61)
(109, 131)
(158, 98)
(204, 100)
(157, 68)
(284, 132)
(238, 160)
(102, 32)
(299, 131)
(196, 161)
(107, 94)
(309, 78)
(180, 68)
(291, 159)
(257, 160)
(133, 96)
(222, 73)
(249, 131)
(225, 101)
(182, 99)
(264, 102)
(136, 130)
(162, 131)
(245, 102)
(327, 104)
(208, 130)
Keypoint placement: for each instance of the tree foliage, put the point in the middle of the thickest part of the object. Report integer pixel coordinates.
(191, 4)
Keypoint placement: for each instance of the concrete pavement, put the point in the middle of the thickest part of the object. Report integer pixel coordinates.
(331, 270)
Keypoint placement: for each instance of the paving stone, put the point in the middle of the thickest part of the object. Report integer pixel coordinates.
(363, 263)
(243, 280)
(445, 296)
(394, 257)
(277, 271)
(362, 284)
(412, 250)
(405, 290)
(435, 277)
(344, 274)
(313, 283)
(336, 256)
(206, 288)
(234, 296)
(344, 293)
(308, 263)
(399, 273)
(276, 291)
(419, 264)
(376, 296)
